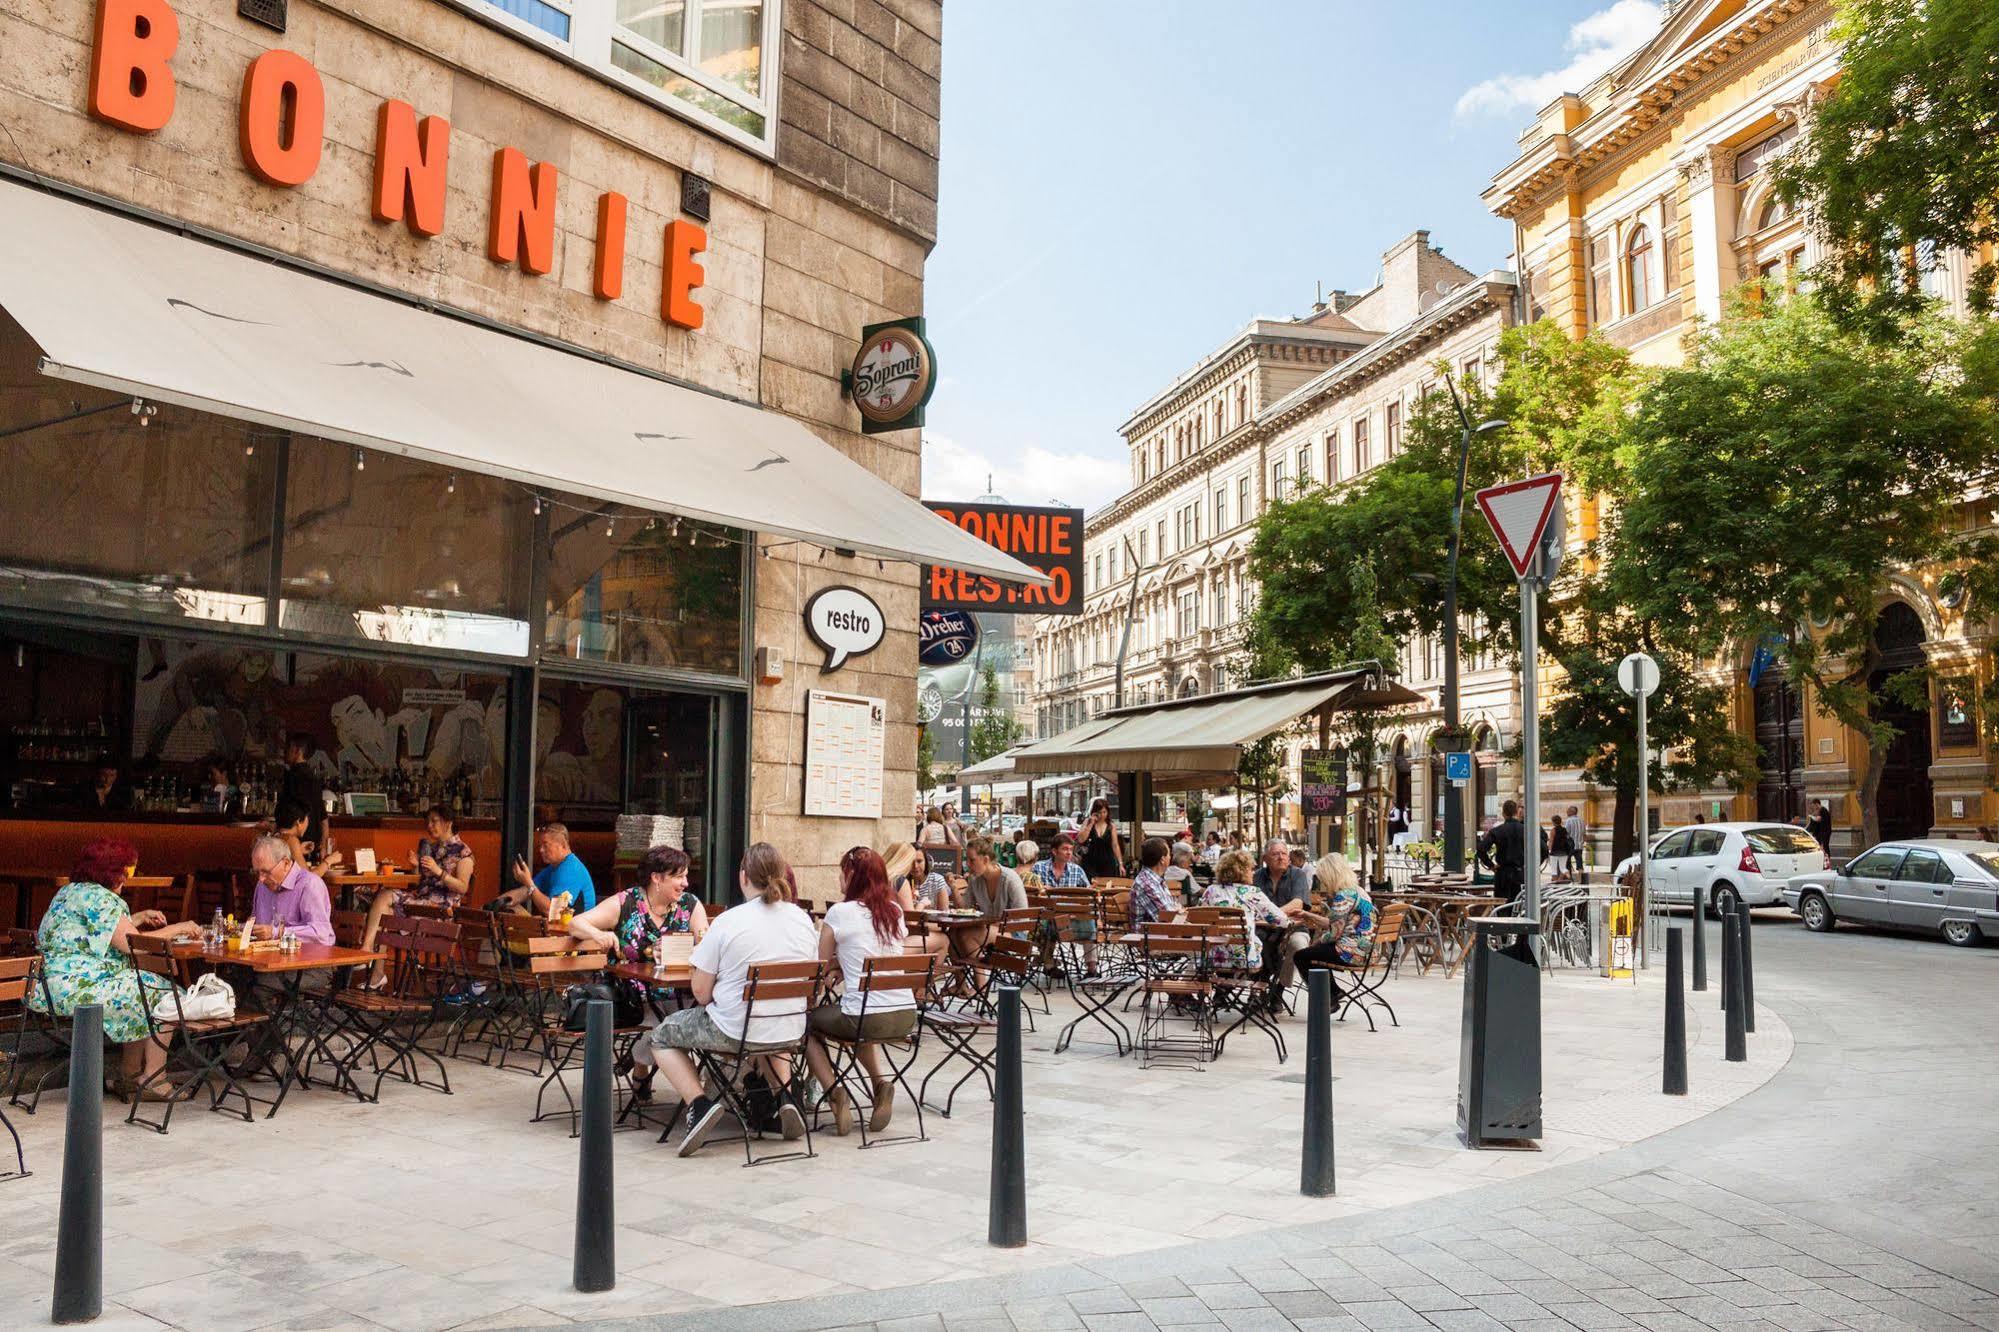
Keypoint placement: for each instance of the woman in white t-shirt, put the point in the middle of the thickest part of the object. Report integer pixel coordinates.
(768, 926)
(866, 923)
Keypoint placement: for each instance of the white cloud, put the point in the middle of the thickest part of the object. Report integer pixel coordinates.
(1595, 44)
(953, 470)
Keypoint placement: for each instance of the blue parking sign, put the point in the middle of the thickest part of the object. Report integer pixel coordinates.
(1457, 766)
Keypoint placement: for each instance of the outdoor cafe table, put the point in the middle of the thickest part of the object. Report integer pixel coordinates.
(677, 977)
(1453, 911)
(299, 1025)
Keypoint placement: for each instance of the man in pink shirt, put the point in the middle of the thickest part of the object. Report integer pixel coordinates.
(288, 894)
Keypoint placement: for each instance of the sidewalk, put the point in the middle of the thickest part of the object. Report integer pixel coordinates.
(430, 1212)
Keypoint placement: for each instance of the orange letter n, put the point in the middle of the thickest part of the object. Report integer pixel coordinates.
(130, 84)
(409, 167)
(523, 212)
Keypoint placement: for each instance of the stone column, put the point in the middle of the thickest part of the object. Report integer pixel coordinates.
(1709, 173)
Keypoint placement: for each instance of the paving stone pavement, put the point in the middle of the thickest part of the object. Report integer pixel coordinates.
(1855, 1190)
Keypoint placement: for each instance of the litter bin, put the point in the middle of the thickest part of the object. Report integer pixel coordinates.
(1499, 1056)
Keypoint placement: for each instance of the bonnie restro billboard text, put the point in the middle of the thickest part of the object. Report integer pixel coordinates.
(1050, 540)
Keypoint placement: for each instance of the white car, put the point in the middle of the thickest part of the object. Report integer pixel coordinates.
(1733, 862)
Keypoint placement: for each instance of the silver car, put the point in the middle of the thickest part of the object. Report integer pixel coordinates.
(1942, 885)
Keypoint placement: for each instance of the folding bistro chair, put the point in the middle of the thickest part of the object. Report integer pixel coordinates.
(1373, 971)
(1174, 963)
(560, 960)
(14, 974)
(524, 994)
(771, 989)
(423, 959)
(911, 973)
(478, 989)
(49, 1029)
(1238, 985)
(197, 1049)
(960, 1027)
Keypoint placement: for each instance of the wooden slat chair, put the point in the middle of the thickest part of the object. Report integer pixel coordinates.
(224, 890)
(50, 1031)
(559, 961)
(423, 968)
(1069, 908)
(909, 973)
(524, 995)
(770, 989)
(14, 982)
(1174, 961)
(1237, 983)
(478, 994)
(1373, 971)
(197, 1049)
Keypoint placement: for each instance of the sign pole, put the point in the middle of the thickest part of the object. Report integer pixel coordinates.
(1530, 746)
(1644, 828)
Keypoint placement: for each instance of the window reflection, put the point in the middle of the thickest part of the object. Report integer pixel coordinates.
(643, 591)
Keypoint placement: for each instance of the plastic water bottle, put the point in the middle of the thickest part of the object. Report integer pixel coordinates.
(217, 929)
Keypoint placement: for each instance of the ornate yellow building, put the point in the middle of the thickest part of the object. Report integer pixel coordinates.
(1638, 203)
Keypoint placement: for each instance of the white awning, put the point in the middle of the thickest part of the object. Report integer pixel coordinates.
(134, 308)
(1200, 739)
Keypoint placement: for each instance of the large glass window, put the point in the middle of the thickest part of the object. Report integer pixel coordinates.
(399, 551)
(1638, 268)
(162, 512)
(642, 590)
(707, 58)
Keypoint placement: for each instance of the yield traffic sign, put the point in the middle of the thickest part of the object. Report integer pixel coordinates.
(1519, 512)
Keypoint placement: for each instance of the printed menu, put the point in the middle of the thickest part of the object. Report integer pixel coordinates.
(844, 741)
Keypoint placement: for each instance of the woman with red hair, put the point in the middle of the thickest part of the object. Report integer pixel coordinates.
(865, 923)
(86, 958)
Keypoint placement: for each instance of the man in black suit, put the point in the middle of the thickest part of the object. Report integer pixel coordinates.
(1503, 852)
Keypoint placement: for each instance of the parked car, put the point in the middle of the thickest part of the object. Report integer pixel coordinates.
(1733, 862)
(1950, 887)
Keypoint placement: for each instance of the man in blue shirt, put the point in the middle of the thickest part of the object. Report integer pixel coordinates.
(562, 872)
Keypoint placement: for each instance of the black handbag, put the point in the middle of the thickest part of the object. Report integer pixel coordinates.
(626, 1010)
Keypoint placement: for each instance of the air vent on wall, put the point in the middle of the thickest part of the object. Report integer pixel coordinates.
(694, 196)
(270, 13)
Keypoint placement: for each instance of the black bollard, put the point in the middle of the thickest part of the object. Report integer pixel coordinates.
(79, 1291)
(1731, 961)
(1006, 1225)
(596, 1266)
(1748, 968)
(1317, 1175)
(1675, 1081)
(1700, 939)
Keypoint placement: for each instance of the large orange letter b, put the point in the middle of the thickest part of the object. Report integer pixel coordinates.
(130, 84)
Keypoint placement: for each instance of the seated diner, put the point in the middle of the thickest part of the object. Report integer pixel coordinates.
(633, 923)
(865, 923)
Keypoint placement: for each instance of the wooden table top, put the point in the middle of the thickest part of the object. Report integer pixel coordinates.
(379, 879)
(678, 975)
(308, 957)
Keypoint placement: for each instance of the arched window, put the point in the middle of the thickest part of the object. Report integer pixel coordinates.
(1638, 268)
(1775, 210)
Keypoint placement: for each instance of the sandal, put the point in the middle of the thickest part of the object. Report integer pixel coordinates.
(641, 1086)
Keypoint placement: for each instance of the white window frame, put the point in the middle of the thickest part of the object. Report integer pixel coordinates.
(592, 27)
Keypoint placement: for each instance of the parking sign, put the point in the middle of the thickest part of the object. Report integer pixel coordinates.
(1457, 765)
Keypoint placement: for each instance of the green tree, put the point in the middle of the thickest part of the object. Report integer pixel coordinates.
(1905, 150)
(926, 758)
(1779, 479)
(996, 730)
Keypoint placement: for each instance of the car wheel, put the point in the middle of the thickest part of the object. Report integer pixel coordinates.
(1816, 913)
(1724, 899)
(1961, 933)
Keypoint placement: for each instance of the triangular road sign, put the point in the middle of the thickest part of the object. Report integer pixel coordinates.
(1519, 513)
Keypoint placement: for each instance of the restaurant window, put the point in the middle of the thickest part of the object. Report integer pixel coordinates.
(170, 520)
(1360, 458)
(629, 588)
(1602, 305)
(1638, 268)
(1392, 423)
(393, 550)
(1243, 512)
(707, 59)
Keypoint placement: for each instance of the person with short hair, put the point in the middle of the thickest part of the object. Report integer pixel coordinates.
(1502, 851)
(1819, 825)
(865, 923)
(1060, 870)
(1232, 888)
(563, 877)
(1151, 899)
(1574, 824)
(1179, 875)
(287, 894)
(1026, 853)
(1279, 878)
(301, 785)
(632, 924)
(768, 926)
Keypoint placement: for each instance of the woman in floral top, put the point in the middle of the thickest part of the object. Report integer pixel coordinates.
(1342, 900)
(1233, 888)
(85, 949)
(633, 921)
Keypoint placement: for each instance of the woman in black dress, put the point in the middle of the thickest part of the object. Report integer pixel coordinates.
(1100, 853)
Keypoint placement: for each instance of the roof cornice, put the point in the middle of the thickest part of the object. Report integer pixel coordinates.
(1260, 341)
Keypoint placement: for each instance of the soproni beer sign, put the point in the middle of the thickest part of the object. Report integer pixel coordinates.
(892, 375)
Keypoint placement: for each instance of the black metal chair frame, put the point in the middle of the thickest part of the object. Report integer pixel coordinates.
(423, 967)
(724, 1069)
(202, 1045)
(1174, 964)
(913, 972)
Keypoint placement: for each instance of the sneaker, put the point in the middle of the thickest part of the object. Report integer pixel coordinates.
(884, 1105)
(789, 1121)
(702, 1116)
(843, 1111)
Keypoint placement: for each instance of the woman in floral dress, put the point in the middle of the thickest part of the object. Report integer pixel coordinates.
(1232, 888)
(86, 957)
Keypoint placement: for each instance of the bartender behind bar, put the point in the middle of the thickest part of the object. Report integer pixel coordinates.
(106, 790)
(303, 787)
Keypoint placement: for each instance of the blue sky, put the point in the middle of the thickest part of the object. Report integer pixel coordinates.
(1127, 182)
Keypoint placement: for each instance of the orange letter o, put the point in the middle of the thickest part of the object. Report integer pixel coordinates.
(283, 118)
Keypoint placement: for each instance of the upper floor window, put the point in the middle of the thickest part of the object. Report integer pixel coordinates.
(1332, 456)
(710, 60)
(1304, 466)
(1162, 456)
(1638, 269)
(1669, 249)
(1221, 510)
(1277, 481)
(1218, 418)
(1602, 308)
(1394, 428)
(1242, 511)
(1241, 403)
(1097, 573)
(1360, 442)
(1144, 550)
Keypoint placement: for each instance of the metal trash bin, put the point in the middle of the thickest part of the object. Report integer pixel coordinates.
(1499, 1055)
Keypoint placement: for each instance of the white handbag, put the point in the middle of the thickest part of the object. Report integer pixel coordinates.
(209, 997)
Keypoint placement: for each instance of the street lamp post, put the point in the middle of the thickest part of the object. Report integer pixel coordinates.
(1454, 813)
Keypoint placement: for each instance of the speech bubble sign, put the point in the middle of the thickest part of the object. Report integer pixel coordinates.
(846, 622)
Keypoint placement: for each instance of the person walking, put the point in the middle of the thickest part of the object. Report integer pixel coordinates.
(1819, 825)
(1555, 848)
(1502, 852)
(1574, 823)
(1099, 850)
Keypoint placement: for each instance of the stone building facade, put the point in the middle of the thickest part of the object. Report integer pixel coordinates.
(807, 128)
(1283, 405)
(1640, 203)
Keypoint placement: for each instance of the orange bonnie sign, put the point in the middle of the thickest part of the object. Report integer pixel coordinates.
(1048, 540)
(281, 127)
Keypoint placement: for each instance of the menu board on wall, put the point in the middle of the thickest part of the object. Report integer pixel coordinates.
(844, 740)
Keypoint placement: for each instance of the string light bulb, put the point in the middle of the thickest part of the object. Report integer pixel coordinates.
(360, 461)
(610, 527)
(451, 483)
(537, 506)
